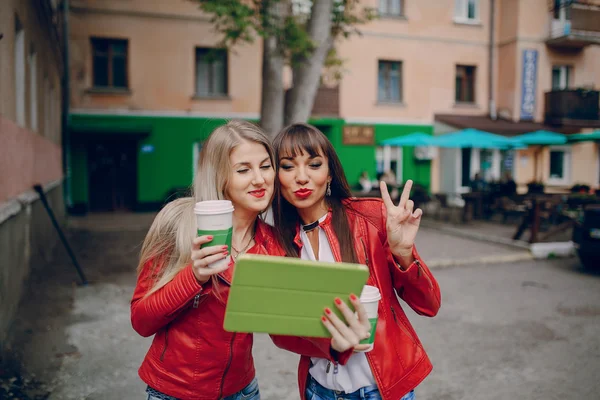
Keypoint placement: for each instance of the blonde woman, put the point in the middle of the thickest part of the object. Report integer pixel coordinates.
(182, 302)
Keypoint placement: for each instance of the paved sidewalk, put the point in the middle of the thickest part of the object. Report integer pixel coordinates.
(78, 341)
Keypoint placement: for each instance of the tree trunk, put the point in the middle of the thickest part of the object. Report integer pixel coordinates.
(272, 93)
(307, 73)
(272, 97)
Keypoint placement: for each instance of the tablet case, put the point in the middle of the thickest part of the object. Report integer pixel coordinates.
(287, 296)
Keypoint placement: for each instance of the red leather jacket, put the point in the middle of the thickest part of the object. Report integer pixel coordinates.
(192, 356)
(398, 360)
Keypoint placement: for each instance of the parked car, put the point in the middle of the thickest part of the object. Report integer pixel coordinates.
(586, 236)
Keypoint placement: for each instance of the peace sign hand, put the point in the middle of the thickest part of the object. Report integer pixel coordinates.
(402, 222)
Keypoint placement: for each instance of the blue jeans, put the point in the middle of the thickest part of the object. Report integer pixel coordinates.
(314, 391)
(250, 392)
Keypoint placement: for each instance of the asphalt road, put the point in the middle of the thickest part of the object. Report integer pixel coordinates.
(526, 330)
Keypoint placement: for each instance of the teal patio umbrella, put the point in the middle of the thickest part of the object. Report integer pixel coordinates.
(540, 138)
(412, 139)
(474, 138)
(585, 137)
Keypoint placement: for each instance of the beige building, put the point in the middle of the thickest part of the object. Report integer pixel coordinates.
(31, 68)
(143, 72)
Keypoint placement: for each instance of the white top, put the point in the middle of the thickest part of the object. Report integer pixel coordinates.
(357, 372)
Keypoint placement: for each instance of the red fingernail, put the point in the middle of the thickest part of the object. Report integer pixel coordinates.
(338, 301)
(323, 319)
(353, 297)
(225, 253)
(225, 247)
(210, 238)
(327, 310)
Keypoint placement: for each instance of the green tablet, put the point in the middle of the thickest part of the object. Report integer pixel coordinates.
(287, 296)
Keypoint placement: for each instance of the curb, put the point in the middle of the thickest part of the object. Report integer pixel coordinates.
(518, 244)
(492, 259)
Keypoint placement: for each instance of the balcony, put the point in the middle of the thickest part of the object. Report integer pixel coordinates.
(577, 26)
(578, 107)
(327, 102)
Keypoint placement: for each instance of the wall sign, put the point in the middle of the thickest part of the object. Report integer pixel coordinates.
(528, 83)
(358, 135)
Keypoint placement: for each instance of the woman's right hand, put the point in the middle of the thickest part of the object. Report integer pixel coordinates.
(347, 335)
(203, 257)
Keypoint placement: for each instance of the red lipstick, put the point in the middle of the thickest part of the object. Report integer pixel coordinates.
(258, 193)
(303, 193)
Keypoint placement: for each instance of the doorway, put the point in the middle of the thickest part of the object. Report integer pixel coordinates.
(112, 169)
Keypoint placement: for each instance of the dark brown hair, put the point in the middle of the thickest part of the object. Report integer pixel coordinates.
(298, 139)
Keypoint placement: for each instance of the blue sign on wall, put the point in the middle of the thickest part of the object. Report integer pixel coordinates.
(529, 80)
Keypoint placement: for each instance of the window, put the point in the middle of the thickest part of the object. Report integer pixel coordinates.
(19, 73)
(465, 84)
(390, 82)
(466, 11)
(560, 164)
(33, 90)
(109, 63)
(391, 8)
(301, 7)
(211, 72)
(561, 77)
(562, 9)
(389, 158)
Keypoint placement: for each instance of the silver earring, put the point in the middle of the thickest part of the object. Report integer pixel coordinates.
(328, 192)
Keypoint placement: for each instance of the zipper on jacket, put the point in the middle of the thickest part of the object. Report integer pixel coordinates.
(228, 365)
(366, 254)
(162, 356)
(196, 301)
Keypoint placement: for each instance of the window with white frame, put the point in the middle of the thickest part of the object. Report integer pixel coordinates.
(211, 72)
(562, 76)
(388, 158)
(466, 11)
(19, 72)
(33, 90)
(391, 8)
(389, 81)
(560, 166)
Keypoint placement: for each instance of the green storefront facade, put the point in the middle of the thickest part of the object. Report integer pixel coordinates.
(163, 150)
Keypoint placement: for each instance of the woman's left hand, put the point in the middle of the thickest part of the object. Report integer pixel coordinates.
(402, 221)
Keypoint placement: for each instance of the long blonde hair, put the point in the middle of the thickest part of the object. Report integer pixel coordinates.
(168, 243)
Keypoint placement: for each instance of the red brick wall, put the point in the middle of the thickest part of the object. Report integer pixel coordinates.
(26, 158)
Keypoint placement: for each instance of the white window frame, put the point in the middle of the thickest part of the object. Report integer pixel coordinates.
(20, 76)
(33, 91)
(565, 76)
(461, 12)
(567, 160)
(385, 155)
(475, 167)
(385, 7)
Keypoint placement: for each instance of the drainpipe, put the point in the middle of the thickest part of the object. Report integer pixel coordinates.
(66, 91)
(492, 101)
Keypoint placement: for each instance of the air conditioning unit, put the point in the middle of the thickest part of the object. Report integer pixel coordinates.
(425, 152)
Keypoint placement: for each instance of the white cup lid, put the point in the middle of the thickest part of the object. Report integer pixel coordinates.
(213, 207)
(370, 293)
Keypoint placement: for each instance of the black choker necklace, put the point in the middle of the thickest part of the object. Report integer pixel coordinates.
(311, 226)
